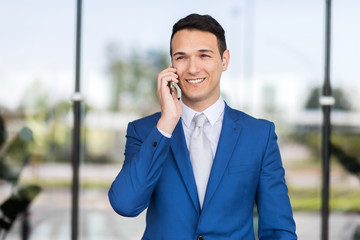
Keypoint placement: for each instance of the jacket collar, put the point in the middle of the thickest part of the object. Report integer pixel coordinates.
(230, 133)
(228, 138)
(182, 158)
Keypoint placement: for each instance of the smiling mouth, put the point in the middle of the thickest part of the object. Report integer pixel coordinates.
(195, 81)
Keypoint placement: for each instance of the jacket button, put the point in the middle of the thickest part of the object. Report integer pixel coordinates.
(154, 144)
(200, 238)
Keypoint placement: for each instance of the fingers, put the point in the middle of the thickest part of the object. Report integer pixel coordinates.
(167, 75)
(171, 107)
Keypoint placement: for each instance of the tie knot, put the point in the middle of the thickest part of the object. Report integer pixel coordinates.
(200, 120)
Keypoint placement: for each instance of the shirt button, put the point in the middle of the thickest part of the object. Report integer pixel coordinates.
(154, 144)
(200, 238)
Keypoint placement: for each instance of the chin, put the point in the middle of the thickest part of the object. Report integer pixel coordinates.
(194, 98)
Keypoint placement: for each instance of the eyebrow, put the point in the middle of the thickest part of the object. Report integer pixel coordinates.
(206, 50)
(200, 50)
(179, 53)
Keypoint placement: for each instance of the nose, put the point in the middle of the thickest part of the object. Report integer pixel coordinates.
(193, 66)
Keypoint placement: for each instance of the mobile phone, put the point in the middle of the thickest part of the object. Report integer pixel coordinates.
(172, 87)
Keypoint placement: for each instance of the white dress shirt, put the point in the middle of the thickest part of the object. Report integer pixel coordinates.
(214, 114)
(212, 128)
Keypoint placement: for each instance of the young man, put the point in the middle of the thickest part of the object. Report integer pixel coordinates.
(200, 166)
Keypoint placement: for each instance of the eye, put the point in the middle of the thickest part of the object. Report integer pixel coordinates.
(179, 58)
(205, 56)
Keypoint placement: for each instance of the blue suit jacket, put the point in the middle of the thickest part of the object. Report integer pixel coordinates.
(247, 169)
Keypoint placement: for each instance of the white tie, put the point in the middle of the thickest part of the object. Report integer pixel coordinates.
(200, 156)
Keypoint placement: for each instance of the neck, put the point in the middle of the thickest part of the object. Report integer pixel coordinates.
(200, 106)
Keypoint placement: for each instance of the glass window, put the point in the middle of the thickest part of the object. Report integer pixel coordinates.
(276, 72)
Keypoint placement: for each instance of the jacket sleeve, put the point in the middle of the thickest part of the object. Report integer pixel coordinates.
(275, 213)
(130, 192)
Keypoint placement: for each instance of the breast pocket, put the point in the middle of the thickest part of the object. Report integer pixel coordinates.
(242, 180)
(242, 168)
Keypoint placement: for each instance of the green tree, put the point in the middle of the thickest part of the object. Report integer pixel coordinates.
(341, 100)
(47, 121)
(133, 78)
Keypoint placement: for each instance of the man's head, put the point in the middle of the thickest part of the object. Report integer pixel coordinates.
(199, 58)
(203, 23)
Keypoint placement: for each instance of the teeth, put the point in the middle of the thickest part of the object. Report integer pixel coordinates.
(196, 80)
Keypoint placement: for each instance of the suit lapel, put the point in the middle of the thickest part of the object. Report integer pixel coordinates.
(228, 138)
(182, 158)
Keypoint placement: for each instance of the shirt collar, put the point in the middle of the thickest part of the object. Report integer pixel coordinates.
(212, 113)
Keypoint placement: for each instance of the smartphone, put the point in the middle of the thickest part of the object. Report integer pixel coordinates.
(172, 87)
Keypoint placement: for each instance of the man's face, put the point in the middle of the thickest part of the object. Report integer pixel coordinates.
(196, 56)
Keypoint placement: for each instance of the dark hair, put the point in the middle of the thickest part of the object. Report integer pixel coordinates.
(204, 23)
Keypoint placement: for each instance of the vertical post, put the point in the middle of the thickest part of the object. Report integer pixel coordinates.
(326, 101)
(25, 225)
(77, 99)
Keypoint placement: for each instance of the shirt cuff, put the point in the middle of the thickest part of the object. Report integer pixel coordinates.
(164, 133)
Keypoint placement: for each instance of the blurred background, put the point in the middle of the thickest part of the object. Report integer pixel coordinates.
(276, 72)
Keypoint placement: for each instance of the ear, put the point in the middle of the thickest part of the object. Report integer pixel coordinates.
(225, 60)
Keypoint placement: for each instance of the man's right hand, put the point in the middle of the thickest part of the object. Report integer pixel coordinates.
(171, 108)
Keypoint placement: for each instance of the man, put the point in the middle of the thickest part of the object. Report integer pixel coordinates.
(201, 182)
